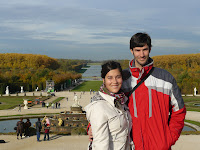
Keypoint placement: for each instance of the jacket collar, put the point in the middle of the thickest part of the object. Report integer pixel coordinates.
(136, 72)
(108, 98)
(111, 99)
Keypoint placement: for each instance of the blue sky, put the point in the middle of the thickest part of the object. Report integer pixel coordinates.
(98, 29)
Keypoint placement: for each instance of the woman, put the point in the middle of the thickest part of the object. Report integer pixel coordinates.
(107, 113)
(27, 126)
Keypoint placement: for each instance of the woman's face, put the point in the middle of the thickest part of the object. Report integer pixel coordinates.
(113, 80)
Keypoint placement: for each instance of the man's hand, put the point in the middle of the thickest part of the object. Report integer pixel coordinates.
(90, 134)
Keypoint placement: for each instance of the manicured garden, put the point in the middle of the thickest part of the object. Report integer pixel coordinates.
(87, 85)
(10, 102)
(190, 102)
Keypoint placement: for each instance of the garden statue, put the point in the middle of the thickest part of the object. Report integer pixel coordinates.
(195, 91)
(60, 121)
(36, 89)
(25, 104)
(22, 91)
(7, 90)
(76, 104)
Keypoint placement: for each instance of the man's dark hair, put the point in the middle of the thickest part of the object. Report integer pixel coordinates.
(38, 119)
(110, 65)
(140, 40)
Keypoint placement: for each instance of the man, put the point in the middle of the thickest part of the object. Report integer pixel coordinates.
(38, 129)
(156, 106)
(20, 128)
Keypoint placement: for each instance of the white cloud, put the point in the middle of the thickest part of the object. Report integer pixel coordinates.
(172, 43)
(67, 25)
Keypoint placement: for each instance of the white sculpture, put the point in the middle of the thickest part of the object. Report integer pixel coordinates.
(7, 90)
(25, 104)
(36, 89)
(22, 90)
(195, 91)
(76, 104)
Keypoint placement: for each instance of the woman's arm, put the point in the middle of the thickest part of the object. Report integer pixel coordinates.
(99, 125)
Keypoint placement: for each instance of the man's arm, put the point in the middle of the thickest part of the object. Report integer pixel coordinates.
(176, 122)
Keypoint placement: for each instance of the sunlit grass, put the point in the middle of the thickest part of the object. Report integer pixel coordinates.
(87, 85)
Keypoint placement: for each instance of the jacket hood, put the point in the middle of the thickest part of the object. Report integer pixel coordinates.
(136, 72)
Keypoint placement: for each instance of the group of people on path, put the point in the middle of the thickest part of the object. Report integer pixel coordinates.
(23, 128)
(138, 108)
(38, 125)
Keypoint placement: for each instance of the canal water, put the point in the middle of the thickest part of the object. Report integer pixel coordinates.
(7, 126)
(197, 105)
(91, 72)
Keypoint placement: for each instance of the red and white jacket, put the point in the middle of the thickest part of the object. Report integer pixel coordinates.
(156, 107)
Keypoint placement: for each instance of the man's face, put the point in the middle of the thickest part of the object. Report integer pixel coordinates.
(141, 55)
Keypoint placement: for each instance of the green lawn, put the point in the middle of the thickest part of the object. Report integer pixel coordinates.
(191, 98)
(87, 85)
(9, 102)
(57, 100)
(190, 101)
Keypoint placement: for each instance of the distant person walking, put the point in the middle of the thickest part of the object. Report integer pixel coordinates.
(20, 128)
(27, 126)
(19, 110)
(52, 105)
(58, 105)
(38, 129)
(43, 104)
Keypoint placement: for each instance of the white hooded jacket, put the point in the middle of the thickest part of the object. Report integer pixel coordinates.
(110, 126)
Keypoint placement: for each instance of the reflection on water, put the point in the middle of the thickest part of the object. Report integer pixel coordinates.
(8, 125)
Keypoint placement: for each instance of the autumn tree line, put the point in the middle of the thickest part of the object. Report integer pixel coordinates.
(185, 68)
(31, 71)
